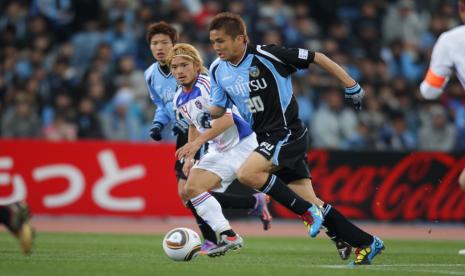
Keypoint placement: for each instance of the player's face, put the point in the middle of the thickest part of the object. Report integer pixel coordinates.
(184, 70)
(160, 45)
(227, 47)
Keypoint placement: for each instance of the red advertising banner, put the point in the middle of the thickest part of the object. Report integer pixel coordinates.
(90, 178)
(130, 179)
(389, 186)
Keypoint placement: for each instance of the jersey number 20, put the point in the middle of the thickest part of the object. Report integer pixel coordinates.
(255, 104)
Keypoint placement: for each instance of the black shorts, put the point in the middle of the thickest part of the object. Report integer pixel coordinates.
(287, 152)
(181, 140)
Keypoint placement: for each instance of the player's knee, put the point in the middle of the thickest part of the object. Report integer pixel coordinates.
(182, 195)
(462, 184)
(191, 190)
(462, 180)
(249, 178)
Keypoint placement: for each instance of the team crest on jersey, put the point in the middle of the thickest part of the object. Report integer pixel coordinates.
(198, 104)
(254, 72)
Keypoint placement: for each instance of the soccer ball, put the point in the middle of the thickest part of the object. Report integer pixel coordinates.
(181, 244)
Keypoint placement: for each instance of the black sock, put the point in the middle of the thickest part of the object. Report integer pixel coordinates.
(232, 201)
(278, 190)
(331, 234)
(329, 226)
(4, 214)
(340, 227)
(229, 233)
(207, 231)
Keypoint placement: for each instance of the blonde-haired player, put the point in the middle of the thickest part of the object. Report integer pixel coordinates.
(230, 140)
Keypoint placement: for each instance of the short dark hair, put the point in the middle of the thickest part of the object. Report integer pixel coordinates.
(161, 28)
(231, 23)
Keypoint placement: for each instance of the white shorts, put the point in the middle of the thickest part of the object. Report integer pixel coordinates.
(225, 164)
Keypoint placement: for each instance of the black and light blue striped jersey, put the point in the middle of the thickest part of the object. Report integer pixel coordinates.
(260, 86)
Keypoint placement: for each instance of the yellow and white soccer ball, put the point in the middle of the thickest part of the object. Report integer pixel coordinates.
(182, 244)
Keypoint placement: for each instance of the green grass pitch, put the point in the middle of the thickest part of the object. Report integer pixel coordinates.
(109, 254)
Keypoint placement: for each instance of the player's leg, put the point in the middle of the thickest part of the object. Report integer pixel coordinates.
(302, 188)
(257, 204)
(198, 184)
(16, 217)
(208, 234)
(340, 229)
(254, 173)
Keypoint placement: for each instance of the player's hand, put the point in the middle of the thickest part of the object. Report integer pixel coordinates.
(180, 127)
(356, 94)
(205, 120)
(155, 131)
(188, 151)
(187, 166)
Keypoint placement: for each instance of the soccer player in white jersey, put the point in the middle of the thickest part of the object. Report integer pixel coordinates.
(448, 56)
(230, 140)
(162, 85)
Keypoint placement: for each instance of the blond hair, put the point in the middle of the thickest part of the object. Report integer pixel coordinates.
(187, 51)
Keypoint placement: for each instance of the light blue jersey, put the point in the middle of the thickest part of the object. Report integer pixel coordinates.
(162, 86)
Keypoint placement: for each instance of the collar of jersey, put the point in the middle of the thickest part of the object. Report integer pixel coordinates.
(247, 50)
(186, 96)
(161, 71)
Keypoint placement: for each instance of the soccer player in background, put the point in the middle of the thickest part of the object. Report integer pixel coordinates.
(230, 140)
(257, 79)
(448, 56)
(161, 86)
(16, 217)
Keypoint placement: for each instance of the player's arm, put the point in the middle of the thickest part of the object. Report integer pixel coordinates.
(216, 111)
(218, 126)
(352, 89)
(160, 118)
(334, 69)
(219, 101)
(193, 133)
(439, 70)
(297, 58)
(189, 161)
(161, 114)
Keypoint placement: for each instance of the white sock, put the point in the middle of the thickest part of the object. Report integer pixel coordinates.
(209, 209)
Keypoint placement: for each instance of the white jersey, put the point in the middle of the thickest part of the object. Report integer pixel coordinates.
(193, 103)
(448, 56)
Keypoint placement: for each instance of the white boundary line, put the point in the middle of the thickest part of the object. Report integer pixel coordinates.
(403, 268)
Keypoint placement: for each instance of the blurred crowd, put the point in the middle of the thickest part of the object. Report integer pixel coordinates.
(73, 69)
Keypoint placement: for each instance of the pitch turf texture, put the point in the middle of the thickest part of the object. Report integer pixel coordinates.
(105, 254)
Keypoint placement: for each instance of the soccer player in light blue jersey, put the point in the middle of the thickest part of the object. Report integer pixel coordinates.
(162, 85)
(257, 79)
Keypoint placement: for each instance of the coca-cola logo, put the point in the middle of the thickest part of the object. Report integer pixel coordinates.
(389, 186)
